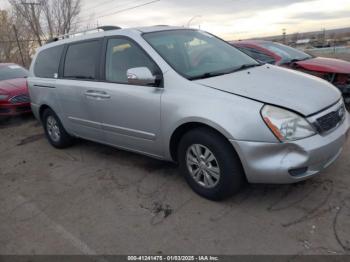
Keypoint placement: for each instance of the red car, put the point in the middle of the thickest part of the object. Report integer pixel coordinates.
(14, 96)
(335, 71)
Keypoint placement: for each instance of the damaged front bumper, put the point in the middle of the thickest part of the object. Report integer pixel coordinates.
(291, 161)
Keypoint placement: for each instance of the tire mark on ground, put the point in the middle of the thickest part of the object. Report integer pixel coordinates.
(312, 213)
(346, 245)
(30, 139)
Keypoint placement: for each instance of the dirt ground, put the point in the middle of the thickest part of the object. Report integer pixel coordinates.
(93, 199)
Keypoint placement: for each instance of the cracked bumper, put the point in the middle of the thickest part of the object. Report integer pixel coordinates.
(272, 162)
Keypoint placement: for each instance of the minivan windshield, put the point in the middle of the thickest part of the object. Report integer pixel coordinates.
(196, 54)
(287, 53)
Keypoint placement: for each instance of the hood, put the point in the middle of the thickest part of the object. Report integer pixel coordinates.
(327, 65)
(14, 86)
(274, 85)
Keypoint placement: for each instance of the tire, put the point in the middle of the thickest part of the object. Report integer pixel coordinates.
(231, 176)
(54, 130)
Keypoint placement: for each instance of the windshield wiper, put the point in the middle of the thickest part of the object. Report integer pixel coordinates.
(246, 66)
(298, 59)
(207, 75)
(212, 74)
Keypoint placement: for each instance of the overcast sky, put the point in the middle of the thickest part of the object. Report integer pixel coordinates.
(230, 19)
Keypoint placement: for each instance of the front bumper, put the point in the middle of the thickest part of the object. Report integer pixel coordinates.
(14, 109)
(273, 162)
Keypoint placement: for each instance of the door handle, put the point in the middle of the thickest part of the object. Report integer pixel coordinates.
(97, 94)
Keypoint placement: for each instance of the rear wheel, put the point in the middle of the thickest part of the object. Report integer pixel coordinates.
(210, 165)
(54, 130)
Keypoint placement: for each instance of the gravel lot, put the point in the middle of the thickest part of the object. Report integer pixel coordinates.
(93, 199)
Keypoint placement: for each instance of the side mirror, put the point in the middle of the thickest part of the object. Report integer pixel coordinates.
(141, 76)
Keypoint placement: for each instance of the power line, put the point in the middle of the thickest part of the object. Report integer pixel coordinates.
(119, 11)
(107, 7)
(96, 5)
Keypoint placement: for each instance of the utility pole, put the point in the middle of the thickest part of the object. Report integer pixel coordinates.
(19, 46)
(324, 37)
(35, 19)
(284, 35)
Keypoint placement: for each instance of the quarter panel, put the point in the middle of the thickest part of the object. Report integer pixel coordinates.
(43, 92)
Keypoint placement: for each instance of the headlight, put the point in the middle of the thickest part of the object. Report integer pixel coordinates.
(286, 125)
(3, 97)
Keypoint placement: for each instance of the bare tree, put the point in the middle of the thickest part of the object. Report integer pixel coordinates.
(47, 18)
(9, 47)
(61, 16)
(31, 14)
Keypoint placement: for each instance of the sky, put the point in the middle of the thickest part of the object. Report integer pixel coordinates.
(229, 19)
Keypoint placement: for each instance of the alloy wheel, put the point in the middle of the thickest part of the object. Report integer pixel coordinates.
(203, 166)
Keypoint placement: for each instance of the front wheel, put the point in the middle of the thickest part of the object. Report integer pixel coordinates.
(211, 166)
(54, 130)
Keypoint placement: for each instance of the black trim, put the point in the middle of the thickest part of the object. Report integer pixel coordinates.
(159, 74)
(43, 86)
(62, 60)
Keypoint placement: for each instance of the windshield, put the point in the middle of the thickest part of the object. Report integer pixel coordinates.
(12, 71)
(196, 54)
(287, 53)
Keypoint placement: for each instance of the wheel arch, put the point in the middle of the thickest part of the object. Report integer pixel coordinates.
(42, 108)
(185, 127)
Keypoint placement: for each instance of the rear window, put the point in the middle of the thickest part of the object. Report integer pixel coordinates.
(12, 71)
(80, 62)
(47, 62)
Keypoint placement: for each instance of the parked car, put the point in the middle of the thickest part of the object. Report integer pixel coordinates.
(14, 96)
(335, 71)
(223, 116)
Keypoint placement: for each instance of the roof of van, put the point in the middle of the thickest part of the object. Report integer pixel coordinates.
(81, 36)
(148, 29)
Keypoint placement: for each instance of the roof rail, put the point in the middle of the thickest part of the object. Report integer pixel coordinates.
(69, 35)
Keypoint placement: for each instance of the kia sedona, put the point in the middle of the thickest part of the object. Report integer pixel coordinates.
(186, 96)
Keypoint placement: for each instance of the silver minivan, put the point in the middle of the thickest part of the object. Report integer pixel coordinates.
(186, 96)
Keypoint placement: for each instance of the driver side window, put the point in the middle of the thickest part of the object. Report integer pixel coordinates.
(123, 54)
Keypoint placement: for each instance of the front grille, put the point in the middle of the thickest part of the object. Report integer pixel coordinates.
(20, 99)
(330, 120)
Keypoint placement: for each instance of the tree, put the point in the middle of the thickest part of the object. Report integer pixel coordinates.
(9, 47)
(61, 16)
(48, 18)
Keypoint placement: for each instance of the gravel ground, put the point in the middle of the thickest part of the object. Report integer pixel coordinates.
(93, 199)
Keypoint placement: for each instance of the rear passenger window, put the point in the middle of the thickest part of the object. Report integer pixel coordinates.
(47, 62)
(80, 62)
